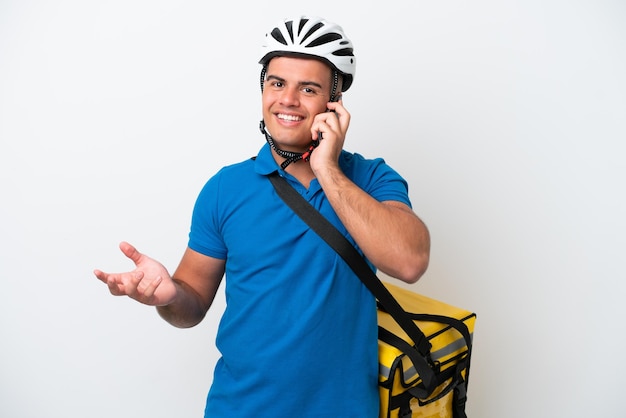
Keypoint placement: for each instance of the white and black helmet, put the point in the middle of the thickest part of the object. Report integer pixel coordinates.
(311, 37)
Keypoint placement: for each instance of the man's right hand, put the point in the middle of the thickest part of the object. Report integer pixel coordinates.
(149, 283)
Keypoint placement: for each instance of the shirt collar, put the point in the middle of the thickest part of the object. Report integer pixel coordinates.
(265, 163)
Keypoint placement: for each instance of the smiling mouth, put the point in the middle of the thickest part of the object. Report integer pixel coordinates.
(290, 118)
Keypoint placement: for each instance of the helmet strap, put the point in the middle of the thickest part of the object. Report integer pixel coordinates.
(333, 91)
(290, 157)
(263, 72)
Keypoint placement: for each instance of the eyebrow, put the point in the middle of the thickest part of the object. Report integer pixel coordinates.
(301, 83)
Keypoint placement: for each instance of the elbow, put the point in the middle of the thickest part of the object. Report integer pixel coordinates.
(187, 319)
(417, 265)
(414, 270)
(408, 270)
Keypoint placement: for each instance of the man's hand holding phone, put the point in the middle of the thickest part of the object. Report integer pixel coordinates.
(330, 128)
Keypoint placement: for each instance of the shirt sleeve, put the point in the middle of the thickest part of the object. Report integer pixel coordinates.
(378, 179)
(205, 235)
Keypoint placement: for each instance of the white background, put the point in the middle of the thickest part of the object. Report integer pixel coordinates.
(507, 118)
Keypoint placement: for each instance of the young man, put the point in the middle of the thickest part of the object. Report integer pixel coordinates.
(299, 335)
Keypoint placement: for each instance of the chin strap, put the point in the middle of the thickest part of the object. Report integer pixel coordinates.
(290, 157)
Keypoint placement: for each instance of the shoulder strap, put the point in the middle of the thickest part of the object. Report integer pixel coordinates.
(351, 256)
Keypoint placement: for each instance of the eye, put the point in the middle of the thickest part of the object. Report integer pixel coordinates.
(310, 91)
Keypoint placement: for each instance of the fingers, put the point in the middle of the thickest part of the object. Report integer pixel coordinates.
(326, 127)
(130, 252)
(120, 284)
(132, 284)
(146, 290)
(336, 121)
(100, 275)
(323, 124)
(111, 280)
(337, 109)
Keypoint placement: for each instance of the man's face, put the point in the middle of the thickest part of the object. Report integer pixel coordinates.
(295, 90)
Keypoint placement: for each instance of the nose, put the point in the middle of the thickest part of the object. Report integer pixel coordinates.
(289, 97)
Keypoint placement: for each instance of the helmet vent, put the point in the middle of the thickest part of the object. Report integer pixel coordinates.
(276, 34)
(302, 23)
(312, 31)
(325, 39)
(290, 29)
(345, 52)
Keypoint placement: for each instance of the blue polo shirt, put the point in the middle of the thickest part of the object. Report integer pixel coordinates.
(298, 337)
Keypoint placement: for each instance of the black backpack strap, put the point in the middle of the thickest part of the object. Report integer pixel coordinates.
(351, 256)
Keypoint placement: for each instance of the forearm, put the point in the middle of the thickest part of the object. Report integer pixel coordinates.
(187, 309)
(391, 236)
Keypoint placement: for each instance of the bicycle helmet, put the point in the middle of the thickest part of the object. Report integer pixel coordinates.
(311, 37)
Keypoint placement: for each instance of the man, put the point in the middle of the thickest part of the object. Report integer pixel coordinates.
(298, 336)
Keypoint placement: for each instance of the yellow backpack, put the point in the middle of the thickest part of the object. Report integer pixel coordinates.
(448, 330)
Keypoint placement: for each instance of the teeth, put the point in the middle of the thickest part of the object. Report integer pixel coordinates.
(289, 117)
